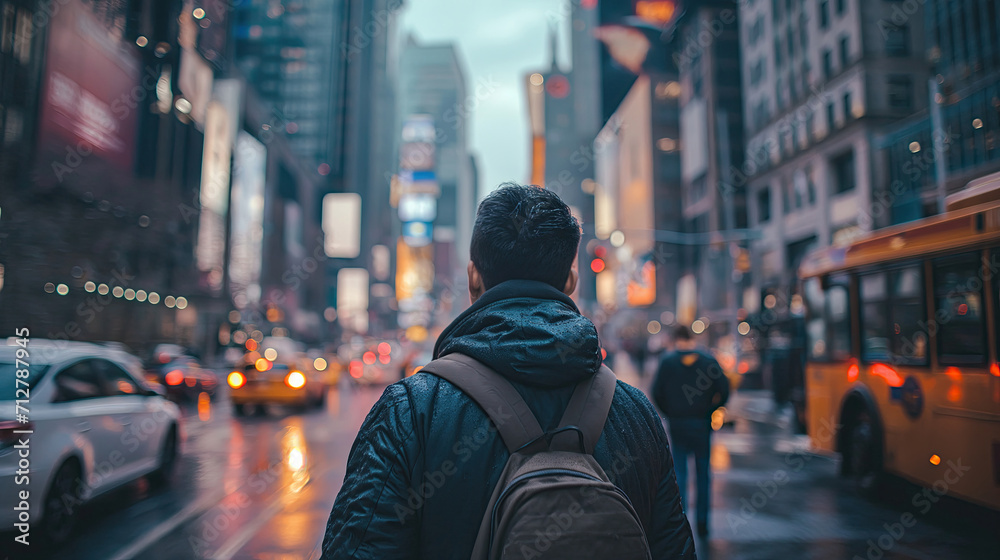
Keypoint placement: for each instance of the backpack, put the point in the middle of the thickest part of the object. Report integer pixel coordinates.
(552, 500)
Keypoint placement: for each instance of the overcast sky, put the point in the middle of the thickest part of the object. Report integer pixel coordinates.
(501, 41)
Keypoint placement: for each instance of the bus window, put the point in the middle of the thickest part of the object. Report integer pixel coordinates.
(959, 318)
(816, 344)
(893, 317)
(838, 315)
(906, 311)
(874, 341)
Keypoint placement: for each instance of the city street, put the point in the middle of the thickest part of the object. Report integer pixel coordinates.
(253, 487)
(261, 487)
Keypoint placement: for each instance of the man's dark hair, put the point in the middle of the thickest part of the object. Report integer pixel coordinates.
(526, 233)
(682, 332)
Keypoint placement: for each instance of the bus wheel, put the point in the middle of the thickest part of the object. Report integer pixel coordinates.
(863, 459)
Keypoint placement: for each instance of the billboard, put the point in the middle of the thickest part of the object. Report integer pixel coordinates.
(214, 196)
(418, 182)
(342, 225)
(418, 234)
(88, 106)
(419, 128)
(249, 173)
(414, 271)
(352, 299)
(417, 208)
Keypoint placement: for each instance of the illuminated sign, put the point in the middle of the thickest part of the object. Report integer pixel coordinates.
(417, 208)
(247, 215)
(656, 12)
(352, 299)
(342, 225)
(417, 234)
(419, 128)
(641, 291)
(414, 272)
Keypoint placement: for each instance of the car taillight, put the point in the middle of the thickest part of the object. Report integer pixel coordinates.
(295, 380)
(7, 436)
(236, 380)
(174, 377)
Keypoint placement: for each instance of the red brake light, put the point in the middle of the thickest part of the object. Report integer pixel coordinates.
(890, 375)
(174, 377)
(852, 373)
(357, 369)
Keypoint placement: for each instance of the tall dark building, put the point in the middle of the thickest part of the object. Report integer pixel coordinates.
(103, 136)
(322, 69)
(711, 129)
(955, 137)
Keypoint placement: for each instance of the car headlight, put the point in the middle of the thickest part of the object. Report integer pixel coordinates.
(295, 380)
(236, 380)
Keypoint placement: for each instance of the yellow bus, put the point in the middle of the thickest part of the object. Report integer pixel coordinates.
(903, 375)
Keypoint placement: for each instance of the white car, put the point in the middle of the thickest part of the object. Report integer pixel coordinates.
(95, 426)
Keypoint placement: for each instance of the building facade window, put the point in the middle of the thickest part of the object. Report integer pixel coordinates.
(843, 172)
(845, 51)
(900, 91)
(848, 106)
(831, 122)
(897, 39)
(778, 59)
(841, 7)
(824, 14)
(764, 205)
(827, 65)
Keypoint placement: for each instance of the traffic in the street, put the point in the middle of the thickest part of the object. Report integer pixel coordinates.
(262, 486)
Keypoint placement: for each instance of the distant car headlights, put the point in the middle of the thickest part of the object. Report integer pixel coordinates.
(295, 380)
(236, 380)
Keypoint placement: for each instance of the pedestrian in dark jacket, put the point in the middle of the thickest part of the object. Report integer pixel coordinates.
(689, 386)
(424, 465)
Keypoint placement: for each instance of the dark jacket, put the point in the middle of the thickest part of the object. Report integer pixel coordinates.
(689, 384)
(425, 462)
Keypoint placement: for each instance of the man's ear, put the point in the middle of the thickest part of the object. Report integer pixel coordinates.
(476, 287)
(571, 281)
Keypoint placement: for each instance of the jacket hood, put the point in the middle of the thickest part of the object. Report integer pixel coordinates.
(527, 331)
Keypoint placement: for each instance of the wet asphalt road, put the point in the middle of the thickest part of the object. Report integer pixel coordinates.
(261, 487)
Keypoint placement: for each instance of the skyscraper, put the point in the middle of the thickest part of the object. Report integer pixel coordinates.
(433, 91)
